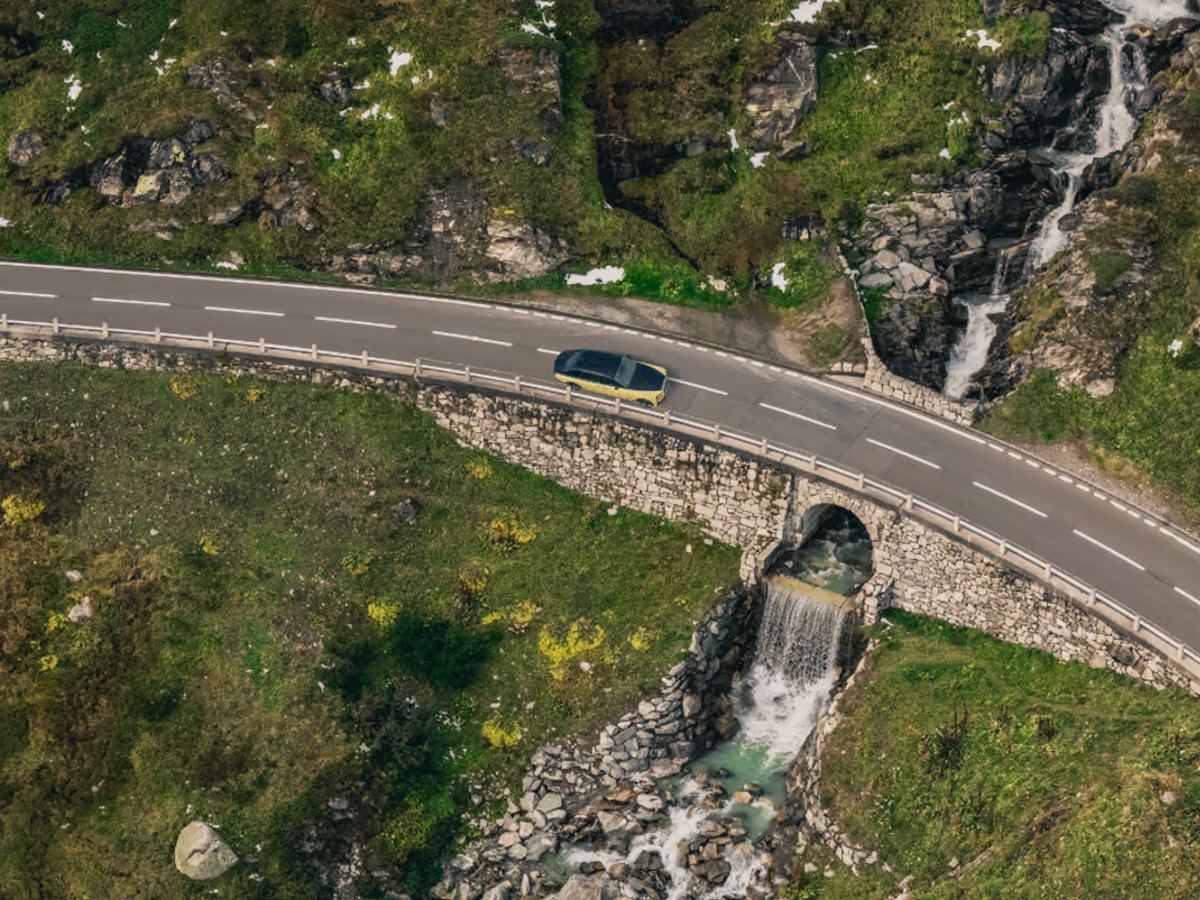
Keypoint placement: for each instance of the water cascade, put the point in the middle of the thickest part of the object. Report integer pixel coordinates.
(1114, 126)
(777, 703)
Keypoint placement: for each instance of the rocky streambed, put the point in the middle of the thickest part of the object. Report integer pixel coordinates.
(682, 797)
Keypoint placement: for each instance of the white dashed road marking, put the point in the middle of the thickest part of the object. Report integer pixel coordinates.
(796, 415)
(897, 450)
(28, 294)
(130, 302)
(353, 322)
(1184, 593)
(1116, 553)
(244, 312)
(545, 350)
(1013, 500)
(699, 387)
(473, 338)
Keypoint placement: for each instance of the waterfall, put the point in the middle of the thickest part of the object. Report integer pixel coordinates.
(1115, 126)
(970, 351)
(777, 703)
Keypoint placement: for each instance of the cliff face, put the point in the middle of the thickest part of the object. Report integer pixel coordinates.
(1127, 244)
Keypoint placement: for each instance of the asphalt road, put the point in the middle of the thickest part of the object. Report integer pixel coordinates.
(1123, 553)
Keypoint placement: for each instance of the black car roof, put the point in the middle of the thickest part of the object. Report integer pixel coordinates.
(593, 362)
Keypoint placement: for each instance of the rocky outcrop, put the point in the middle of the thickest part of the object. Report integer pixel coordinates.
(1041, 96)
(24, 147)
(167, 171)
(534, 73)
(779, 98)
(920, 250)
(201, 853)
(226, 81)
(457, 237)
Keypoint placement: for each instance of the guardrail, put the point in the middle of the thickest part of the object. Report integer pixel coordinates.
(431, 370)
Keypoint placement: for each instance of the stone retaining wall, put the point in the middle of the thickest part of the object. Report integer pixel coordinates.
(880, 380)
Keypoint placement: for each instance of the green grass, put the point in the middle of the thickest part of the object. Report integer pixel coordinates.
(984, 769)
(267, 638)
(1109, 267)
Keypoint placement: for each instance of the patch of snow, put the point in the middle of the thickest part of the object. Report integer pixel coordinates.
(388, 116)
(416, 79)
(172, 23)
(984, 42)
(5, 223)
(533, 29)
(154, 56)
(778, 279)
(261, 126)
(602, 275)
(866, 48)
(227, 265)
(371, 113)
(344, 111)
(363, 85)
(1174, 347)
(397, 61)
(41, 15)
(758, 160)
(806, 11)
(944, 153)
(336, 153)
(68, 47)
(99, 56)
(950, 105)
(869, 78)
(75, 87)
(271, 62)
(121, 24)
(734, 146)
(352, 42)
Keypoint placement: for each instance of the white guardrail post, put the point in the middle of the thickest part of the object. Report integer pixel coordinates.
(1015, 556)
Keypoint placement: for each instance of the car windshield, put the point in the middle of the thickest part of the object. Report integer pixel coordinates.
(625, 372)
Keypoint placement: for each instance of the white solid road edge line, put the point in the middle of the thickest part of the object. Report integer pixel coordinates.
(1117, 554)
(897, 450)
(796, 415)
(699, 387)
(473, 338)
(130, 302)
(244, 312)
(1173, 536)
(1013, 500)
(353, 322)
(1184, 593)
(29, 294)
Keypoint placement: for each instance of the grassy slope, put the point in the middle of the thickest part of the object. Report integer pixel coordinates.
(247, 683)
(1148, 426)
(1055, 789)
(868, 135)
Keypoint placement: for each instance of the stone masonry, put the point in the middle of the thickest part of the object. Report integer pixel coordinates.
(734, 497)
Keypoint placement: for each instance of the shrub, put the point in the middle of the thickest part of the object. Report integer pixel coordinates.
(382, 614)
(256, 393)
(357, 562)
(208, 546)
(640, 640)
(19, 512)
(581, 637)
(507, 534)
(479, 469)
(496, 735)
(185, 387)
(942, 749)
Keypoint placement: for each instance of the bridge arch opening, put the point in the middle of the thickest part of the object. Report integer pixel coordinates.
(831, 549)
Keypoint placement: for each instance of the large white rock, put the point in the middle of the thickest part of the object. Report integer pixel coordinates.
(201, 853)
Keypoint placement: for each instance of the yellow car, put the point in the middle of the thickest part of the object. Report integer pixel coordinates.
(612, 375)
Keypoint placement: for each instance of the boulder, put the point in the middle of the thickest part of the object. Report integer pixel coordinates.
(201, 853)
(406, 511)
(587, 887)
(778, 99)
(1194, 331)
(81, 612)
(224, 81)
(521, 251)
(534, 72)
(24, 147)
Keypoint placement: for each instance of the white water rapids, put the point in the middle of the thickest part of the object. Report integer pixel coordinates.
(1115, 127)
(777, 704)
